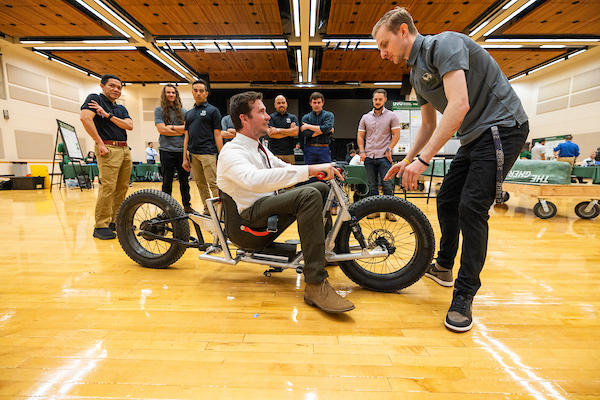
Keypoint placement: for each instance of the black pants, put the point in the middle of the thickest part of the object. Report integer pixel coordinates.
(170, 161)
(464, 200)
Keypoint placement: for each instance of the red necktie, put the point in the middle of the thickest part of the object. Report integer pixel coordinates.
(261, 148)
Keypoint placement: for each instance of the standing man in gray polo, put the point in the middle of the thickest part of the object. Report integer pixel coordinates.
(455, 76)
(378, 133)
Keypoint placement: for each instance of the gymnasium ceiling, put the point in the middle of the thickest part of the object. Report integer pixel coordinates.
(283, 43)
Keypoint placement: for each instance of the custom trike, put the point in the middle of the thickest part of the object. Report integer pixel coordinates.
(382, 243)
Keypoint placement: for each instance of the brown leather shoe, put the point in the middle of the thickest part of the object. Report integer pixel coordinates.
(189, 210)
(323, 296)
(391, 217)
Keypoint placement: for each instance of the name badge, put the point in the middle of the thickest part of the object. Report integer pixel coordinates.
(203, 113)
(288, 120)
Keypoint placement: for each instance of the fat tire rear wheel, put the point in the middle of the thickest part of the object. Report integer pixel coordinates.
(410, 236)
(146, 207)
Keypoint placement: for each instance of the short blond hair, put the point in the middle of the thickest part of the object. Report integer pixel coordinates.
(393, 19)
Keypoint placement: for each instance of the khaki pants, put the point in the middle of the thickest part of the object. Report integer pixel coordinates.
(115, 171)
(570, 160)
(204, 171)
(290, 159)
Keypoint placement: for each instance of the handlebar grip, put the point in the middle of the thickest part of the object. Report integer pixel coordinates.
(321, 176)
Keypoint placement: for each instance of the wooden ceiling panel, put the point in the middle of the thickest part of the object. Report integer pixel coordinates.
(240, 66)
(172, 19)
(130, 66)
(46, 18)
(206, 18)
(357, 18)
(560, 17)
(513, 61)
(359, 65)
(243, 19)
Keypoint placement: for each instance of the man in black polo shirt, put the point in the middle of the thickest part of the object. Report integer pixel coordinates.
(283, 130)
(202, 142)
(106, 123)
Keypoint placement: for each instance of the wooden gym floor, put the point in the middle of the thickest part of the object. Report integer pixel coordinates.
(80, 320)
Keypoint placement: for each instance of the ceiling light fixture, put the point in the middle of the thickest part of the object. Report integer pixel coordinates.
(552, 46)
(164, 63)
(296, 8)
(97, 48)
(121, 20)
(313, 17)
(42, 54)
(516, 77)
(547, 65)
(480, 27)
(299, 60)
(509, 4)
(103, 18)
(388, 84)
(181, 67)
(576, 53)
(502, 46)
(310, 69)
(513, 14)
(66, 64)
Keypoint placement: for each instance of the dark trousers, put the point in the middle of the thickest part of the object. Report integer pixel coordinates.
(171, 161)
(306, 204)
(464, 200)
(316, 155)
(376, 169)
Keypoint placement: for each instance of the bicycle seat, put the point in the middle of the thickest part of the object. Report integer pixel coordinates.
(244, 239)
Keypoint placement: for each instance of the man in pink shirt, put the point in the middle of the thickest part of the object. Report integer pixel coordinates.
(378, 133)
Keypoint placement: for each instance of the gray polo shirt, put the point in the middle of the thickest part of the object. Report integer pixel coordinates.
(492, 100)
(169, 143)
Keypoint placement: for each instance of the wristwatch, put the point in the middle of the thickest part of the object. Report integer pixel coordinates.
(277, 130)
(110, 115)
(388, 149)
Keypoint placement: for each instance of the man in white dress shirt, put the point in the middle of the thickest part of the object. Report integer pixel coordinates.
(252, 176)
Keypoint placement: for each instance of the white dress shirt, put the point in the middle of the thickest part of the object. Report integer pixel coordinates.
(243, 172)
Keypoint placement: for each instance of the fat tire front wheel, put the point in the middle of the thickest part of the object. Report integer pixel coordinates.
(142, 212)
(410, 240)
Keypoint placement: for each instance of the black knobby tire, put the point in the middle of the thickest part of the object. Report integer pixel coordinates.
(411, 237)
(147, 206)
(581, 213)
(539, 212)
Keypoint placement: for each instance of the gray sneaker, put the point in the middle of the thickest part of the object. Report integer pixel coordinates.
(440, 275)
(459, 318)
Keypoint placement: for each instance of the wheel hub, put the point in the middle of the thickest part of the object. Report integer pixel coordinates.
(152, 226)
(382, 238)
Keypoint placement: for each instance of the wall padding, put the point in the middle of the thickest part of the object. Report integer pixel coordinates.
(22, 77)
(34, 145)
